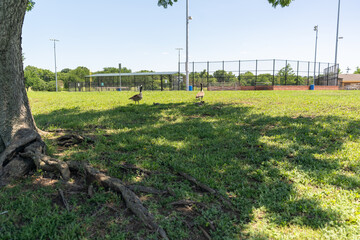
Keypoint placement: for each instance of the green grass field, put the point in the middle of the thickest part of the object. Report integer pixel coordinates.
(288, 160)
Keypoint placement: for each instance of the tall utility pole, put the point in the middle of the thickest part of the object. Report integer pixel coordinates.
(337, 38)
(179, 49)
(55, 40)
(316, 29)
(187, 45)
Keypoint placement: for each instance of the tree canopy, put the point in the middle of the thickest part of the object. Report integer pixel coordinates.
(357, 71)
(275, 3)
(30, 5)
(166, 3)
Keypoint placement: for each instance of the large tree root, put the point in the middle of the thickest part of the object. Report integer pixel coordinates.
(139, 188)
(45, 162)
(131, 200)
(72, 139)
(26, 151)
(208, 189)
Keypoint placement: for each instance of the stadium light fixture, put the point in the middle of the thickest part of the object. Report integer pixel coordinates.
(56, 82)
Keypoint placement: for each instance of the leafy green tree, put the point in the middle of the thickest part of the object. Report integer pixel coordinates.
(287, 76)
(223, 76)
(37, 79)
(265, 79)
(39, 85)
(357, 71)
(79, 73)
(247, 79)
(114, 70)
(31, 77)
(47, 75)
(65, 70)
(51, 86)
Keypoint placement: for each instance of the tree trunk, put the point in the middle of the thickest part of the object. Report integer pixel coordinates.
(15, 111)
(17, 126)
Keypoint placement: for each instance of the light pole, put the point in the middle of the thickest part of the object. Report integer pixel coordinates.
(316, 29)
(337, 38)
(55, 40)
(187, 45)
(179, 49)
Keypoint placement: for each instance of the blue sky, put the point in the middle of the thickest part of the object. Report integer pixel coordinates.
(141, 35)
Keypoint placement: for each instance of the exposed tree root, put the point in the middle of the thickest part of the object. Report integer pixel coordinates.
(197, 183)
(45, 162)
(133, 167)
(71, 139)
(139, 188)
(24, 152)
(19, 141)
(205, 233)
(208, 189)
(183, 203)
(131, 200)
(64, 200)
(27, 150)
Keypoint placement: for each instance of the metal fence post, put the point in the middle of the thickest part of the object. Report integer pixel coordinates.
(273, 81)
(223, 68)
(327, 74)
(161, 82)
(286, 71)
(308, 78)
(297, 77)
(336, 76)
(208, 72)
(239, 73)
(319, 73)
(170, 83)
(256, 73)
(193, 75)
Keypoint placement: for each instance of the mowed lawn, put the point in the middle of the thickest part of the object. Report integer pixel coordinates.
(287, 160)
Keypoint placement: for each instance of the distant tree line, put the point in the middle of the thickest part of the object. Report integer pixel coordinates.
(44, 80)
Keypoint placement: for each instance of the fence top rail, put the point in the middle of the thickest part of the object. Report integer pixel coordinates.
(259, 60)
(130, 74)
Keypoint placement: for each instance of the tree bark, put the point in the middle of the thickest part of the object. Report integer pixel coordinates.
(17, 126)
(15, 113)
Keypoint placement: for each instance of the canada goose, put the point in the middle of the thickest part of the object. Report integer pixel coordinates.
(137, 97)
(200, 94)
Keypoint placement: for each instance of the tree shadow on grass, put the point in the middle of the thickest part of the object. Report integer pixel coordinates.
(245, 155)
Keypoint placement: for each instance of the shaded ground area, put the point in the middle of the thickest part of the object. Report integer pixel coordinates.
(285, 173)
